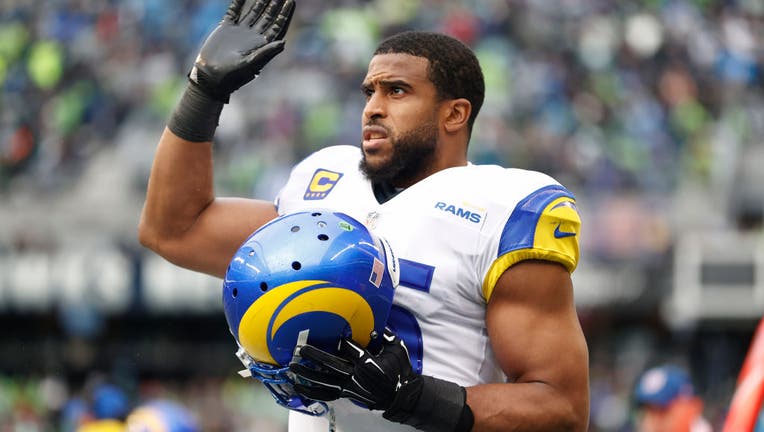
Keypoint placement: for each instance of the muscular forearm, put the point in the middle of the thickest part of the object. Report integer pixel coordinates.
(181, 215)
(180, 188)
(181, 182)
(527, 407)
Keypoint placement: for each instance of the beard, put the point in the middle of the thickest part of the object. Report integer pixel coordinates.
(413, 153)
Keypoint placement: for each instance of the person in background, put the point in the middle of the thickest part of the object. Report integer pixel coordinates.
(109, 406)
(666, 402)
(161, 415)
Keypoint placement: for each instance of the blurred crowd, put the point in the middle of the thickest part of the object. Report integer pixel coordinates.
(105, 404)
(650, 111)
(627, 103)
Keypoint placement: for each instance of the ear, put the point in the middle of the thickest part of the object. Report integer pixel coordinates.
(457, 114)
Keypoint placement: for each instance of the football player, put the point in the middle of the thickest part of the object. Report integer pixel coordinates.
(484, 309)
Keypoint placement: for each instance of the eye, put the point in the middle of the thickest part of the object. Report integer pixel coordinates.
(397, 91)
(367, 91)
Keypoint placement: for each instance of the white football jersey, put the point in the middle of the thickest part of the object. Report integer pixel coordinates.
(455, 233)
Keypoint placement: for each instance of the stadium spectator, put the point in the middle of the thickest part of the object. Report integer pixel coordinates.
(666, 402)
(639, 107)
(162, 415)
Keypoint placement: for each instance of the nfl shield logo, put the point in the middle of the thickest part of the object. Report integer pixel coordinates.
(371, 219)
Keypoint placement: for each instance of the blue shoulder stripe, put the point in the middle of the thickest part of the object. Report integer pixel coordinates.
(520, 228)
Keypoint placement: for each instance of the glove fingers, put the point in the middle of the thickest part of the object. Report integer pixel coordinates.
(351, 350)
(279, 28)
(323, 378)
(389, 336)
(317, 393)
(393, 343)
(399, 354)
(234, 11)
(396, 350)
(265, 54)
(326, 360)
(360, 398)
(268, 17)
(251, 11)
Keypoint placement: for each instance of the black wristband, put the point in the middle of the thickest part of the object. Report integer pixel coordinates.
(432, 405)
(196, 116)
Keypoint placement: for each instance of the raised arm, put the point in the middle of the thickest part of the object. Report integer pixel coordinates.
(535, 333)
(182, 220)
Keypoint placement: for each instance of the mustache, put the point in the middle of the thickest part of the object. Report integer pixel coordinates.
(376, 123)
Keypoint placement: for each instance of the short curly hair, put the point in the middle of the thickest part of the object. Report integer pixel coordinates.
(454, 69)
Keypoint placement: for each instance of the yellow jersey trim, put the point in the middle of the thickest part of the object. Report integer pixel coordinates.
(509, 259)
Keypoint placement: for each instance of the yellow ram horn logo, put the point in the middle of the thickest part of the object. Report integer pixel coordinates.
(268, 313)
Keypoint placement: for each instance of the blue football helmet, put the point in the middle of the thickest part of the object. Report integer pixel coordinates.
(311, 277)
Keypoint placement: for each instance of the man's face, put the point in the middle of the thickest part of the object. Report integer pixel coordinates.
(400, 120)
(653, 419)
(679, 415)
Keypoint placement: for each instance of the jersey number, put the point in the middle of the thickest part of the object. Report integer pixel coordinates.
(401, 321)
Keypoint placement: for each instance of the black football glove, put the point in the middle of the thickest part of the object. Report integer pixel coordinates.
(384, 381)
(370, 379)
(248, 37)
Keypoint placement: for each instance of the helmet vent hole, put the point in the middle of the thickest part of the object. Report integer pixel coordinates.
(263, 286)
(251, 253)
(315, 214)
(323, 237)
(296, 265)
(295, 228)
(235, 292)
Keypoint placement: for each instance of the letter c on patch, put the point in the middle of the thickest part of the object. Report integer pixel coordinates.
(321, 184)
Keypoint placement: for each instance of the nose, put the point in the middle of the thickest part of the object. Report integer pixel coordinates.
(374, 107)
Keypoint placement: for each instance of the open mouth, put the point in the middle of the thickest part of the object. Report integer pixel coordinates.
(374, 136)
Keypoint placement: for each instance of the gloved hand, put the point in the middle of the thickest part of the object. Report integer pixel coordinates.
(384, 381)
(248, 37)
(370, 379)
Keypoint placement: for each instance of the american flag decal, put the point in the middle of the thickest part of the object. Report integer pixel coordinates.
(377, 270)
